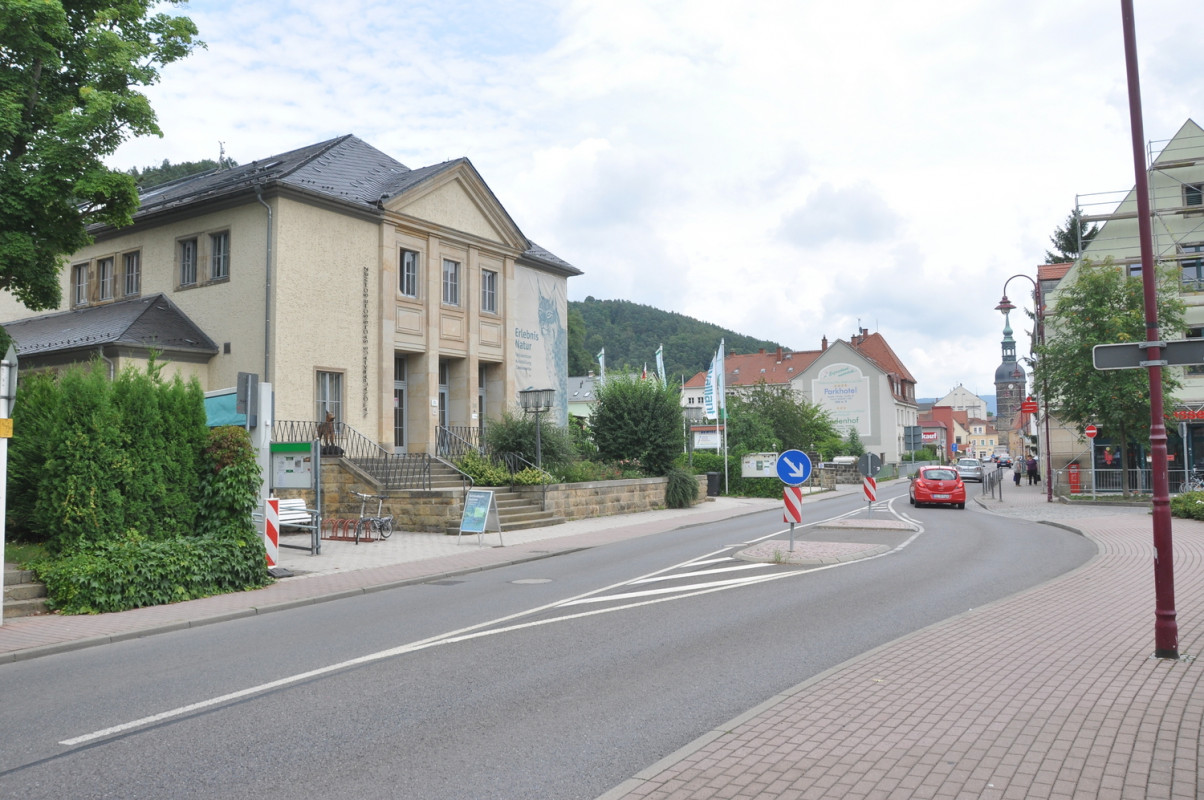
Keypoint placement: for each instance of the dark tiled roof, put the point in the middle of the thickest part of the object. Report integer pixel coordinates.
(346, 169)
(152, 321)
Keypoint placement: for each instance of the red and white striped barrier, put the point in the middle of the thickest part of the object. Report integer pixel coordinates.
(792, 496)
(271, 530)
(871, 488)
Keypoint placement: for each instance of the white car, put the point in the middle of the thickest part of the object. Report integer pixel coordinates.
(970, 469)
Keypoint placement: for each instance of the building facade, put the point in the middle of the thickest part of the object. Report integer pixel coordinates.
(399, 300)
(861, 383)
(1176, 195)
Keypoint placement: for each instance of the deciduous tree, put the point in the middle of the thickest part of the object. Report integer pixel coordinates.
(69, 77)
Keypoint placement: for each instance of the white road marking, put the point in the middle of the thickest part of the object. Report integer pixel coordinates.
(743, 566)
(476, 632)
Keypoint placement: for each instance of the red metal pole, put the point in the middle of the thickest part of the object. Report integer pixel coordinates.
(1166, 630)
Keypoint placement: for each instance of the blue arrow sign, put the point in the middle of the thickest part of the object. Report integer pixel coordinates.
(794, 467)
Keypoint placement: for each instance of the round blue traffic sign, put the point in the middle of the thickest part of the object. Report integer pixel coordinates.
(794, 467)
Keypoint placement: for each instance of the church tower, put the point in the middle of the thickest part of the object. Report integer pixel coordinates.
(1010, 381)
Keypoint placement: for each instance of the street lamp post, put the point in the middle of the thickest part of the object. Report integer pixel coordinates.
(537, 400)
(1005, 306)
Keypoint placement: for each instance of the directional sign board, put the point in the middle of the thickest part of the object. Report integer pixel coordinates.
(869, 465)
(794, 467)
(1131, 355)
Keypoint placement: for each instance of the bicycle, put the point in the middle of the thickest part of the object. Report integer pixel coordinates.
(1192, 483)
(369, 523)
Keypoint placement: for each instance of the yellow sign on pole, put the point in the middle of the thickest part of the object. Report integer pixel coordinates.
(6, 428)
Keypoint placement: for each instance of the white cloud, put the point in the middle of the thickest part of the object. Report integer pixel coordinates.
(786, 169)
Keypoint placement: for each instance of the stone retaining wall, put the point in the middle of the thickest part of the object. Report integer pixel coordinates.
(437, 510)
(604, 498)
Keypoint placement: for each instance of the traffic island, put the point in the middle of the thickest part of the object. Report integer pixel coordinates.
(809, 554)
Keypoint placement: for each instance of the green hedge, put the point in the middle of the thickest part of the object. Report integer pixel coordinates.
(132, 572)
(1189, 505)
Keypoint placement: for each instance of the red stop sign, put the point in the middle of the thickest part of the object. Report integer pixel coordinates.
(1091, 431)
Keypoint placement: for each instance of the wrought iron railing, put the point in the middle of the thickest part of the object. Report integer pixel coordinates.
(455, 441)
(390, 470)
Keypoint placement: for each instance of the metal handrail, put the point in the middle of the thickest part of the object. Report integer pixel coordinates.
(516, 463)
(390, 470)
(457, 441)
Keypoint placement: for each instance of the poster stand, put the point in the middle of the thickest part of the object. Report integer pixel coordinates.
(480, 512)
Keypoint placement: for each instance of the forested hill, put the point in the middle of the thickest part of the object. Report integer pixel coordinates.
(631, 332)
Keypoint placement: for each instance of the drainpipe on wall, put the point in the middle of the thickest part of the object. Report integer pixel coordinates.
(267, 291)
(100, 351)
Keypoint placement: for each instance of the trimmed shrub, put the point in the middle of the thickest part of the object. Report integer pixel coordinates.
(482, 471)
(681, 490)
(131, 572)
(1189, 505)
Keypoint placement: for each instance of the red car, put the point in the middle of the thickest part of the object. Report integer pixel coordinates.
(937, 485)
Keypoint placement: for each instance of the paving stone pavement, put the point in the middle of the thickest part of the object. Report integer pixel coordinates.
(1052, 693)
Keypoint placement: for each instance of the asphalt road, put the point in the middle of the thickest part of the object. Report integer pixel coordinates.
(554, 679)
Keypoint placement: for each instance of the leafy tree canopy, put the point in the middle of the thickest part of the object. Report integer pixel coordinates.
(68, 98)
(640, 420)
(771, 418)
(1103, 306)
(1071, 239)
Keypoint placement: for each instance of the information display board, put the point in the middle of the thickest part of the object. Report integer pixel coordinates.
(293, 465)
(480, 513)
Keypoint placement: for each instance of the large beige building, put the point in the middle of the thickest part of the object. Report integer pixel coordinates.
(400, 300)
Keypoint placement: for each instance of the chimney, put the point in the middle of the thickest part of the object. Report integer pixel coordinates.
(823, 345)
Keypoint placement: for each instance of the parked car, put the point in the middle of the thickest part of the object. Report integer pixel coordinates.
(938, 485)
(970, 469)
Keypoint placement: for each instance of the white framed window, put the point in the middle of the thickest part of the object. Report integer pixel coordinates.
(79, 284)
(187, 257)
(104, 279)
(1193, 194)
(219, 255)
(451, 282)
(328, 395)
(408, 273)
(489, 291)
(132, 271)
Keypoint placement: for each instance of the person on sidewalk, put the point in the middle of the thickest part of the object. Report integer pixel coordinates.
(1017, 471)
(1031, 464)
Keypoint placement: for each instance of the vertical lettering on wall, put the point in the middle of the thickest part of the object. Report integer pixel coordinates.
(364, 365)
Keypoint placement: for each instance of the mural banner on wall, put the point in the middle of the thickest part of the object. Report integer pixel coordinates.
(541, 337)
(843, 391)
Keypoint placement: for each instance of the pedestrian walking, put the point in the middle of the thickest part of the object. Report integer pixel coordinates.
(1031, 464)
(1017, 471)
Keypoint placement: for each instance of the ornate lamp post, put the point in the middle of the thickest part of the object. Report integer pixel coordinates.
(537, 400)
(1006, 307)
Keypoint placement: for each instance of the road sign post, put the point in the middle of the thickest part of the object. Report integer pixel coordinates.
(792, 497)
(1091, 432)
(794, 467)
(869, 465)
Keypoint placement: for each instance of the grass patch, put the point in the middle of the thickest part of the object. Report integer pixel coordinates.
(22, 554)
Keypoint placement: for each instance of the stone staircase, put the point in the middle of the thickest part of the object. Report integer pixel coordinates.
(23, 596)
(514, 512)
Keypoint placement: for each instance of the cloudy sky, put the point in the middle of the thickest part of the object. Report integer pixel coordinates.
(787, 169)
